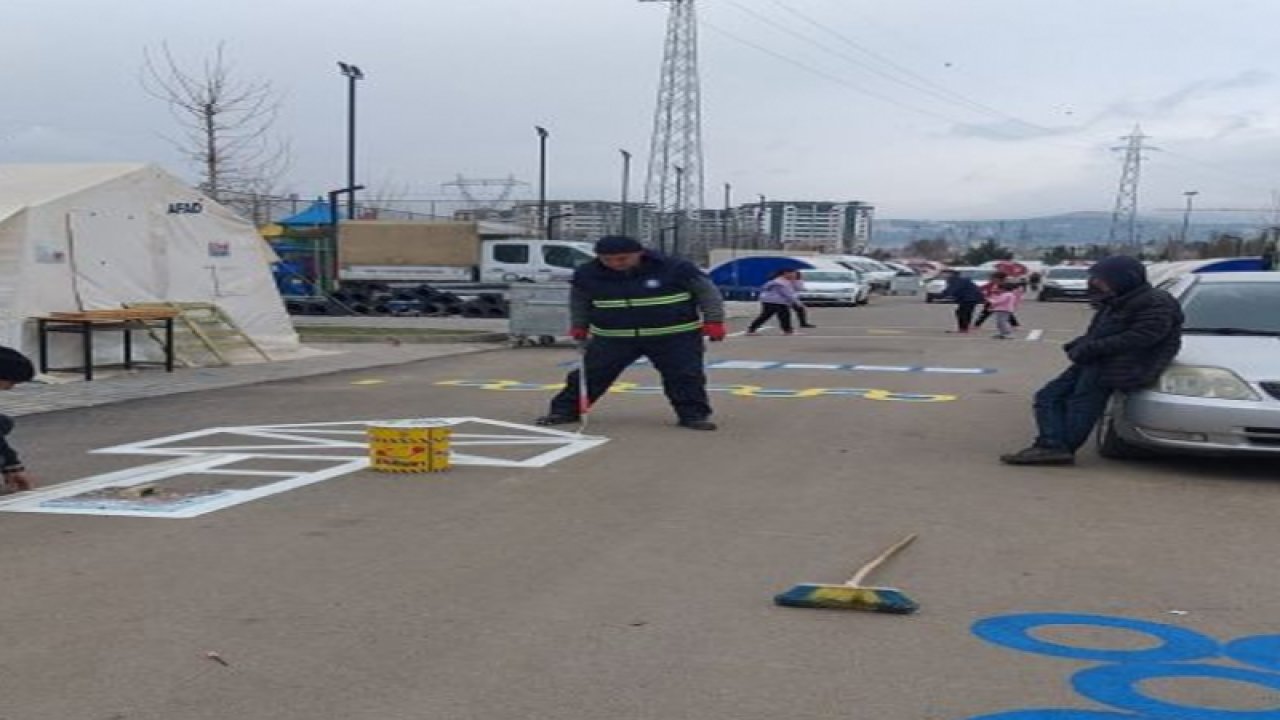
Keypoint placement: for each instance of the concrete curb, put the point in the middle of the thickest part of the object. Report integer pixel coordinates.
(408, 338)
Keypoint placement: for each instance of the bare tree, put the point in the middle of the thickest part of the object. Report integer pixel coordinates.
(226, 122)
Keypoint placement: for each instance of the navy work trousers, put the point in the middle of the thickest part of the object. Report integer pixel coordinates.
(1068, 408)
(677, 358)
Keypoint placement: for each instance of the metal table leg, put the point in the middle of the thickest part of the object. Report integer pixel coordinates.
(87, 329)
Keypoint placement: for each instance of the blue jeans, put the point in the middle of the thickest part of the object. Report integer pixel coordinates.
(1068, 408)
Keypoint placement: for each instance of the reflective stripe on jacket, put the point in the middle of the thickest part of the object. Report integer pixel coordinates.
(652, 300)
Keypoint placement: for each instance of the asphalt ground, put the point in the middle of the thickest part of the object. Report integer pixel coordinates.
(635, 580)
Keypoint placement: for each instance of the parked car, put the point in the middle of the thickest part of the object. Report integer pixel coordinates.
(875, 272)
(934, 289)
(1222, 394)
(1060, 283)
(834, 285)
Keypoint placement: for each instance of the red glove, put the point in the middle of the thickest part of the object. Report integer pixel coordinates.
(580, 334)
(715, 331)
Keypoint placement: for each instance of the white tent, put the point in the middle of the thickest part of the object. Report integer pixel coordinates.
(91, 237)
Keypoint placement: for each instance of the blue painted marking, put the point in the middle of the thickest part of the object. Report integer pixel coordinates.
(1061, 715)
(1177, 644)
(1117, 686)
(1257, 650)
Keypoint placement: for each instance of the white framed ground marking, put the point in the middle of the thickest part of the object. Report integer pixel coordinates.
(278, 458)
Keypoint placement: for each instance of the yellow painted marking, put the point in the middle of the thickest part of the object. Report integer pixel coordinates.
(751, 391)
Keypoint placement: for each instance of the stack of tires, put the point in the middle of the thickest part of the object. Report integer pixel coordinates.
(382, 300)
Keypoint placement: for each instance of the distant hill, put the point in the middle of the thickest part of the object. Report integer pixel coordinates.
(1075, 228)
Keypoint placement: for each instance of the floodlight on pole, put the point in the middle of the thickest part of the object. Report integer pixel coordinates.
(353, 75)
(543, 134)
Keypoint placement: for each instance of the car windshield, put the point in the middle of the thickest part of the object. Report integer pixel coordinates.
(827, 277)
(1233, 308)
(1068, 274)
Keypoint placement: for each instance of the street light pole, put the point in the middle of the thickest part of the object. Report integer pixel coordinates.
(1186, 223)
(724, 222)
(543, 221)
(353, 75)
(626, 189)
(764, 225)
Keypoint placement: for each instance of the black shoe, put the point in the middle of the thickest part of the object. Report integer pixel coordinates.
(808, 326)
(698, 424)
(1039, 456)
(557, 419)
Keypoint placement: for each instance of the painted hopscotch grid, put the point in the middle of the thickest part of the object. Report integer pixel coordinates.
(336, 448)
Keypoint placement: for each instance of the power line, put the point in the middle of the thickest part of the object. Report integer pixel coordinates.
(824, 74)
(916, 81)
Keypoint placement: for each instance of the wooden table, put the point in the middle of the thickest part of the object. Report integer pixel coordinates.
(87, 323)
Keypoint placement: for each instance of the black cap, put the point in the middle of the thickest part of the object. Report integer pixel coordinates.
(618, 245)
(15, 367)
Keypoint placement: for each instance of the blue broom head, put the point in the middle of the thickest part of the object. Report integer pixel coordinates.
(844, 597)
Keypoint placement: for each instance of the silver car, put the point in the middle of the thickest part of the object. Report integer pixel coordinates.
(1222, 393)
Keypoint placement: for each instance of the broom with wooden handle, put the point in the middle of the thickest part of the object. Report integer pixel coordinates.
(852, 595)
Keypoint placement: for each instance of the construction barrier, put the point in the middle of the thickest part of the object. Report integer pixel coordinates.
(409, 446)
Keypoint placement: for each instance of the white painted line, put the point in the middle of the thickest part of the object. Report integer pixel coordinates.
(883, 368)
(954, 371)
(1035, 335)
(741, 365)
(811, 366)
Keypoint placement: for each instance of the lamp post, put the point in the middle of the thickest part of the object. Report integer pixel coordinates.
(626, 190)
(1186, 223)
(543, 221)
(724, 221)
(353, 75)
(764, 225)
(551, 224)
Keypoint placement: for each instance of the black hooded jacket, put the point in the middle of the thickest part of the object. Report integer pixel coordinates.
(1137, 332)
(963, 290)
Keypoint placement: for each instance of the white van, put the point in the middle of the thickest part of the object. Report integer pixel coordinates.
(522, 260)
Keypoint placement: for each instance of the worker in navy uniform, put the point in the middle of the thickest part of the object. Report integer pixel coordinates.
(631, 303)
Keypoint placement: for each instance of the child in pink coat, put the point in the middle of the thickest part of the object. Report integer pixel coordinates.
(1004, 303)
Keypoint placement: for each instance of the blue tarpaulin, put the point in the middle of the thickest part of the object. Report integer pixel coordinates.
(316, 215)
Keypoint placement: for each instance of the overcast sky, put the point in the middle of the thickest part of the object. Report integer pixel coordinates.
(996, 108)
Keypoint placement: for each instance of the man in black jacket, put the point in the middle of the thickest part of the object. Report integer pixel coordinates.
(1135, 335)
(967, 296)
(631, 303)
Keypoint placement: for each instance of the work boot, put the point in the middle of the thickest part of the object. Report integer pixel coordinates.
(1039, 456)
(557, 419)
(697, 424)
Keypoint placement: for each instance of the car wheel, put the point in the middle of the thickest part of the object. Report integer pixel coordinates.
(928, 299)
(1043, 297)
(1114, 447)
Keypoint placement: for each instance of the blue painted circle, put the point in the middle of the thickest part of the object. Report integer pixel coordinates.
(1177, 644)
(1257, 650)
(1116, 685)
(1061, 715)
